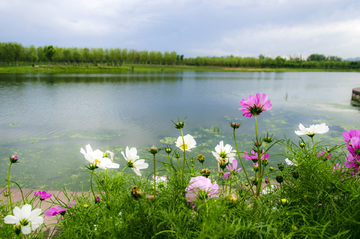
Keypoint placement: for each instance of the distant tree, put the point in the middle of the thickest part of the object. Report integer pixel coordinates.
(86, 54)
(67, 55)
(152, 57)
(9, 52)
(172, 58)
(19, 51)
(159, 58)
(40, 53)
(144, 55)
(166, 57)
(49, 52)
(124, 55)
(333, 58)
(76, 54)
(316, 57)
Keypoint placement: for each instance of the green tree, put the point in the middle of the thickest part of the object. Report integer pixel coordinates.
(159, 58)
(172, 57)
(40, 53)
(49, 52)
(124, 55)
(152, 57)
(316, 57)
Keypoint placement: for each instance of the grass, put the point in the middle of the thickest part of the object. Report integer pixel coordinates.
(147, 67)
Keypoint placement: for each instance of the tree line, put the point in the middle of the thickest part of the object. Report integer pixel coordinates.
(11, 53)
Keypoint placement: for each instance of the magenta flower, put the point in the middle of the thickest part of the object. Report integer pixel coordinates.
(254, 156)
(233, 169)
(201, 188)
(337, 168)
(354, 146)
(255, 105)
(351, 163)
(324, 155)
(350, 134)
(58, 209)
(42, 195)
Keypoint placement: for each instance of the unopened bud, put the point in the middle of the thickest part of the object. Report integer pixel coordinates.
(234, 125)
(92, 166)
(86, 206)
(13, 159)
(231, 200)
(223, 163)
(150, 197)
(268, 139)
(136, 192)
(254, 181)
(279, 179)
(17, 229)
(284, 202)
(281, 166)
(201, 158)
(154, 150)
(102, 180)
(192, 165)
(205, 172)
(271, 169)
(302, 145)
(168, 150)
(267, 180)
(6, 194)
(265, 162)
(179, 125)
(192, 160)
(295, 174)
(97, 200)
(221, 173)
(257, 144)
(177, 155)
(256, 167)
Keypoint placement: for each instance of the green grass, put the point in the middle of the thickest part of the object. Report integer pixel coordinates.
(146, 67)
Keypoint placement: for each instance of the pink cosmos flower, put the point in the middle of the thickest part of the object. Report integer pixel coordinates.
(351, 164)
(337, 167)
(42, 195)
(354, 146)
(233, 169)
(255, 105)
(324, 155)
(350, 134)
(254, 156)
(58, 209)
(201, 188)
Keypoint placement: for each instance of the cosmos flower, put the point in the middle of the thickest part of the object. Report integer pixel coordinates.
(268, 190)
(29, 220)
(288, 162)
(223, 152)
(350, 134)
(324, 155)
(133, 160)
(233, 169)
(312, 130)
(254, 156)
(255, 105)
(201, 188)
(97, 158)
(189, 142)
(354, 146)
(161, 182)
(42, 195)
(58, 209)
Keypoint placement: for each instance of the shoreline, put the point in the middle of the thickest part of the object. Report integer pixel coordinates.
(152, 68)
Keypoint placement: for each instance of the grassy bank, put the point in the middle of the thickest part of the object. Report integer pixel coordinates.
(143, 67)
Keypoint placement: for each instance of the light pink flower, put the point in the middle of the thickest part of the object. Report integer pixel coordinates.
(351, 164)
(58, 209)
(324, 155)
(201, 188)
(254, 156)
(255, 105)
(42, 195)
(354, 146)
(233, 169)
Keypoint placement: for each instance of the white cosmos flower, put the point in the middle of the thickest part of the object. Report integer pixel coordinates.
(288, 162)
(97, 157)
(161, 182)
(269, 190)
(132, 160)
(312, 130)
(189, 143)
(224, 152)
(26, 218)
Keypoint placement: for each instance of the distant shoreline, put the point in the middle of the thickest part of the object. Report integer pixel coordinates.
(148, 67)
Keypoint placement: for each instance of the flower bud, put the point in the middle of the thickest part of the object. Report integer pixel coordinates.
(295, 174)
(192, 160)
(265, 162)
(136, 192)
(92, 166)
(205, 172)
(267, 138)
(302, 145)
(17, 229)
(168, 149)
(192, 165)
(231, 200)
(234, 125)
(271, 169)
(6, 194)
(201, 158)
(221, 173)
(284, 202)
(279, 179)
(177, 155)
(150, 197)
(223, 163)
(256, 167)
(254, 181)
(13, 159)
(97, 200)
(179, 125)
(154, 150)
(86, 206)
(257, 144)
(267, 180)
(246, 184)
(281, 166)
(102, 180)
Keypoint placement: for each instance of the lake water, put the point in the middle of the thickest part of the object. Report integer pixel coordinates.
(46, 118)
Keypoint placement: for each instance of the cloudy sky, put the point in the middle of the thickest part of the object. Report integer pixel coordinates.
(189, 27)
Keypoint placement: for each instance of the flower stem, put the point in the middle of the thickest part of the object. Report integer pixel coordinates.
(183, 145)
(259, 159)
(91, 184)
(312, 138)
(10, 204)
(154, 176)
(242, 164)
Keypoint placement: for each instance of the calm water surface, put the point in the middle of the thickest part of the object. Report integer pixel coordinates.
(46, 118)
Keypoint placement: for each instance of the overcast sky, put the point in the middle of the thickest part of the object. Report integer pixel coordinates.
(189, 27)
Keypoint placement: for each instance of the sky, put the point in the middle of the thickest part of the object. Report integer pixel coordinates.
(192, 28)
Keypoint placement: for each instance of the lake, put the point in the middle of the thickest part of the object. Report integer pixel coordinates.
(46, 118)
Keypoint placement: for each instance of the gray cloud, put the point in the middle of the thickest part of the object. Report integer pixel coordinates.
(192, 28)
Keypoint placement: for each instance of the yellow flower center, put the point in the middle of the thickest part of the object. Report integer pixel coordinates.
(24, 222)
(223, 154)
(97, 161)
(184, 146)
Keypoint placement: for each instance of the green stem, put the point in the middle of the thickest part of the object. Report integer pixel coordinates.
(10, 204)
(312, 138)
(122, 173)
(91, 184)
(168, 169)
(242, 164)
(259, 159)
(183, 145)
(154, 177)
